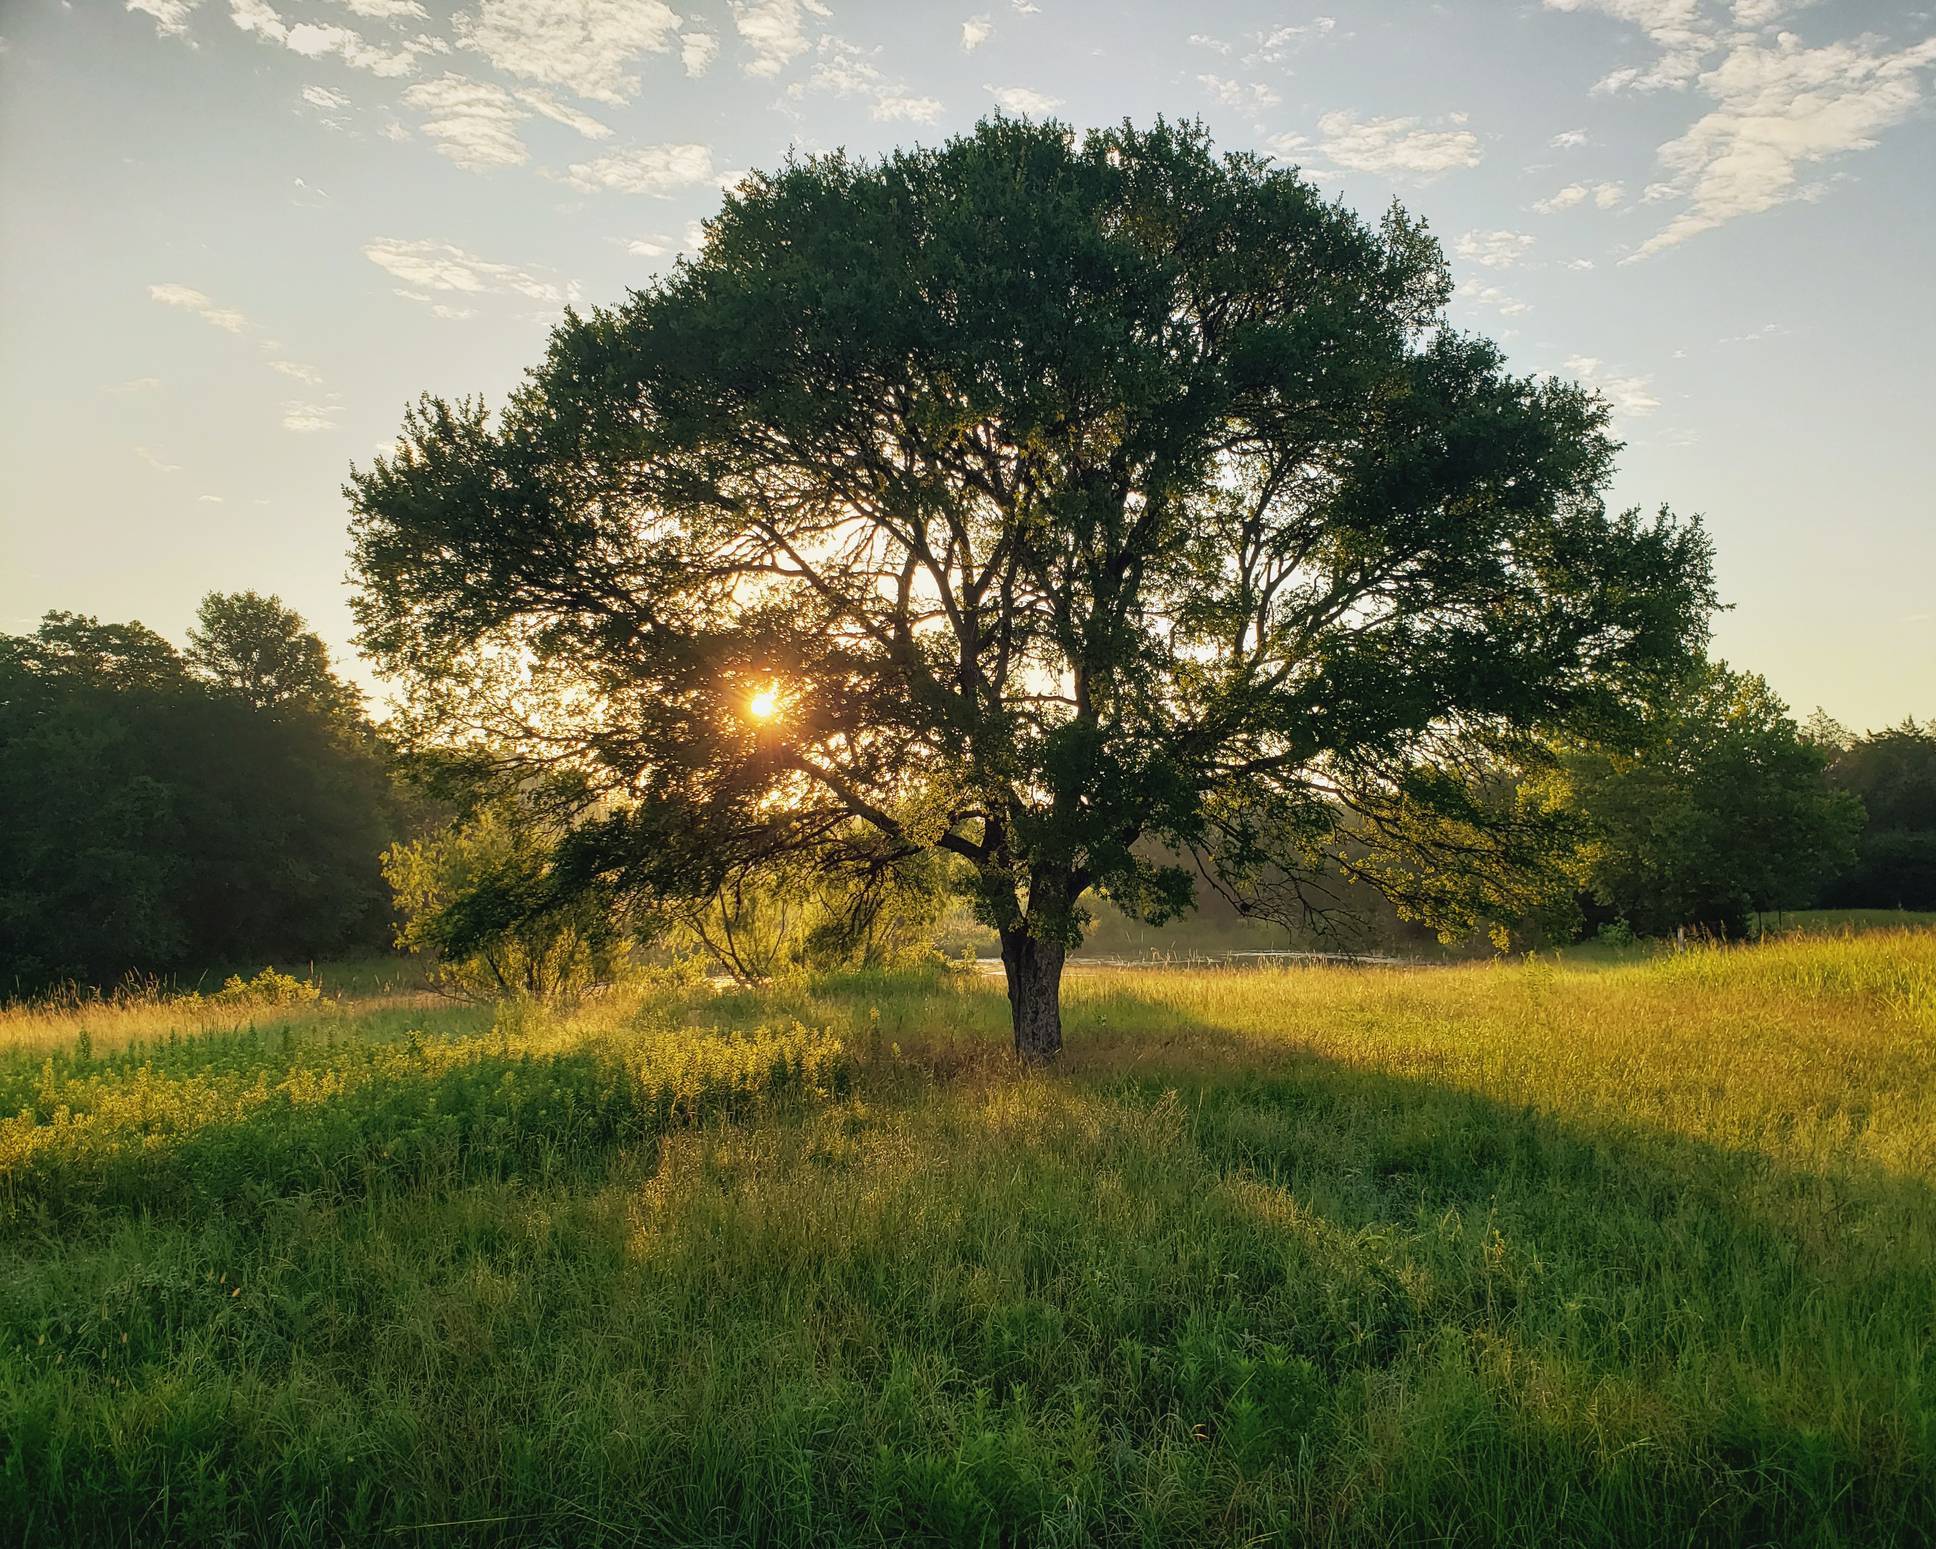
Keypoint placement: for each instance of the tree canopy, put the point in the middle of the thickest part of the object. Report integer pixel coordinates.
(260, 651)
(162, 820)
(1050, 500)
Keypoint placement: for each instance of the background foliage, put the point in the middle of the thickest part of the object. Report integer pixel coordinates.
(171, 813)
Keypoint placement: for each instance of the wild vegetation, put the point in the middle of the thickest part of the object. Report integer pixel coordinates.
(1636, 1251)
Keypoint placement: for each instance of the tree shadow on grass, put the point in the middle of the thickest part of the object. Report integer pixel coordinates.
(1583, 1328)
(178, 1148)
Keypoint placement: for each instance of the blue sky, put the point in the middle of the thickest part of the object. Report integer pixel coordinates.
(237, 236)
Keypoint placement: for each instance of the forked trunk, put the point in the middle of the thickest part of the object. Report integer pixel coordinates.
(1034, 968)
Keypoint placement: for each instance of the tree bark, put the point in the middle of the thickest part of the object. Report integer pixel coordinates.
(1034, 968)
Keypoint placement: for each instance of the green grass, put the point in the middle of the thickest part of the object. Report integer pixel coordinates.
(1523, 1253)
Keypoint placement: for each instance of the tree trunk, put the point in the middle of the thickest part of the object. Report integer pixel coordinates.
(1034, 968)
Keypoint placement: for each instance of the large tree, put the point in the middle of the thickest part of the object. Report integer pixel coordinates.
(1053, 501)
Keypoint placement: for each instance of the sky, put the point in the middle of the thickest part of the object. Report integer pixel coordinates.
(237, 237)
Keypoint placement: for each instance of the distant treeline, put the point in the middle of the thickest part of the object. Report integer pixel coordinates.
(173, 812)
(169, 812)
(1893, 773)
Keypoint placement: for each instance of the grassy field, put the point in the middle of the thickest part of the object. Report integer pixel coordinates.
(1537, 1253)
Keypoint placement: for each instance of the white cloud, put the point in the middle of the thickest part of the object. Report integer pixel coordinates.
(1204, 40)
(308, 375)
(1494, 249)
(646, 169)
(571, 118)
(1280, 43)
(426, 265)
(316, 42)
(170, 16)
(1764, 13)
(324, 99)
(1568, 139)
(974, 32)
(846, 70)
(155, 462)
(1582, 264)
(208, 500)
(137, 384)
(1631, 395)
(474, 123)
(1398, 148)
(1250, 96)
(313, 42)
(662, 246)
(306, 419)
(385, 10)
(194, 301)
(450, 313)
(1492, 296)
(582, 46)
(1780, 108)
(696, 50)
(1681, 37)
(259, 17)
(1023, 100)
(773, 33)
(900, 105)
(1604, 196)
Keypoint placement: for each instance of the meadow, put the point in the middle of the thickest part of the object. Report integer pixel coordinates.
(1608, 1251)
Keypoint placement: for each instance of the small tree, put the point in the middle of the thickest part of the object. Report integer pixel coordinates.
(1722, 812)
(1024, 499)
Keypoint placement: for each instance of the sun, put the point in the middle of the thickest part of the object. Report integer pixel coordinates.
(765, 704)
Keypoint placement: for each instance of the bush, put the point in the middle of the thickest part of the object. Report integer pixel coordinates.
(472, 902)
(267, 988)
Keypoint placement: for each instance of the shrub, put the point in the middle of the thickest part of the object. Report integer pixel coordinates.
(471, 902)
(267, 988)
